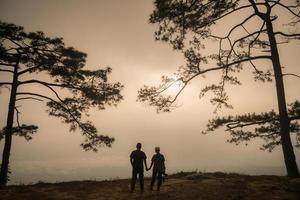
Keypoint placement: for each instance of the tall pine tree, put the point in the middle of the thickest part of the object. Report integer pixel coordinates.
(35, 59)
(189, 25)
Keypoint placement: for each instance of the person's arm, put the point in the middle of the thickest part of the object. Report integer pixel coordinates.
(145, 162)
(150, 165)
(163, 164)
(131, 159)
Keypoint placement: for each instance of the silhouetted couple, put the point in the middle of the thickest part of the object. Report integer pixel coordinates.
(138, 159)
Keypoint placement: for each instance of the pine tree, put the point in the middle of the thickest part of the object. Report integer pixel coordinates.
(188, 25)
(35, 59)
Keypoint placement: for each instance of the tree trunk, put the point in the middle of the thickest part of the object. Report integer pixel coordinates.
(8, 129)
(286, 143)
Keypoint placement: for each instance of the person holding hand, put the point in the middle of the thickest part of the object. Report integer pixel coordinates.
(137, 160)
(158, 163)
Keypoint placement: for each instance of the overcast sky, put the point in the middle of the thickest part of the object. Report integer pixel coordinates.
(116, 33)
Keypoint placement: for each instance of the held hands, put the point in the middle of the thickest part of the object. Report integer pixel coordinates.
(148, 168)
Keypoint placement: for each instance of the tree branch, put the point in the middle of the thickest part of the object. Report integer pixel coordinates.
(230, 64)
(24, 98)
(228, 13)
(18, 112)
(212, 69)
(5, 83)
(288, 8)
(245, 60)
(294, 118)
(240, 24)
(29, 69)
(6, 70)
(60, 104)
(238, 124)
(291, 74)
(38, 95)
(49, 84)
(14, 42)
(256, 11)
(287, 35)
(6, 64)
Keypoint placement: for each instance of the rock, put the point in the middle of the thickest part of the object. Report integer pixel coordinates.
(294, 185)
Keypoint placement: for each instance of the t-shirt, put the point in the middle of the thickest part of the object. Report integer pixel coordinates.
(138, 157)
(158, 162)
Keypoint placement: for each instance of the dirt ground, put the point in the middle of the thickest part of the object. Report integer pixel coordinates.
(181, 186)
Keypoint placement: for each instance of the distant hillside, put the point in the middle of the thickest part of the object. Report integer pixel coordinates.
(180, 186)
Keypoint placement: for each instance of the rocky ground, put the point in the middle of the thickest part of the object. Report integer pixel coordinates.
(180, 186)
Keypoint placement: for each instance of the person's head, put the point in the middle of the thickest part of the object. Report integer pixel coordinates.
(157, 149)
(139, 145)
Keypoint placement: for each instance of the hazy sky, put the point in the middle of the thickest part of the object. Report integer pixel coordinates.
(116, 33)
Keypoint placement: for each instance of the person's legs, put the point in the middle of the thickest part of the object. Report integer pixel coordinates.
(141, 177)
(159, 181)
(154, 174)
(133, 179)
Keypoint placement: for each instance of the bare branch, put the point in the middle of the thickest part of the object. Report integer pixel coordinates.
(56, 94)
(240, 61)
(240, 24)
(230, 12)
(274, 4)
(252, 42)
(233, 28)
(7, 64)
(24, 98)
(58, 103)
(288, 8)
(6, 70)
(288, 35)
(291, 74)
(18, 112)
(5, 83)
(256, 11)
(182, 88)
(49, 84)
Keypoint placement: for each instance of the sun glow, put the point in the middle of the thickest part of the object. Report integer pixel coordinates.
(174, 87)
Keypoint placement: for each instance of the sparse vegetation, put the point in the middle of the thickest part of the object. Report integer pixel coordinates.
(219, 185)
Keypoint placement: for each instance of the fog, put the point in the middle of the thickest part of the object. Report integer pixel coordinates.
(117, 34)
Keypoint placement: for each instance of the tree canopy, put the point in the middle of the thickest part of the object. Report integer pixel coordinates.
(264, 125)
(248, 37)
(72, 88)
